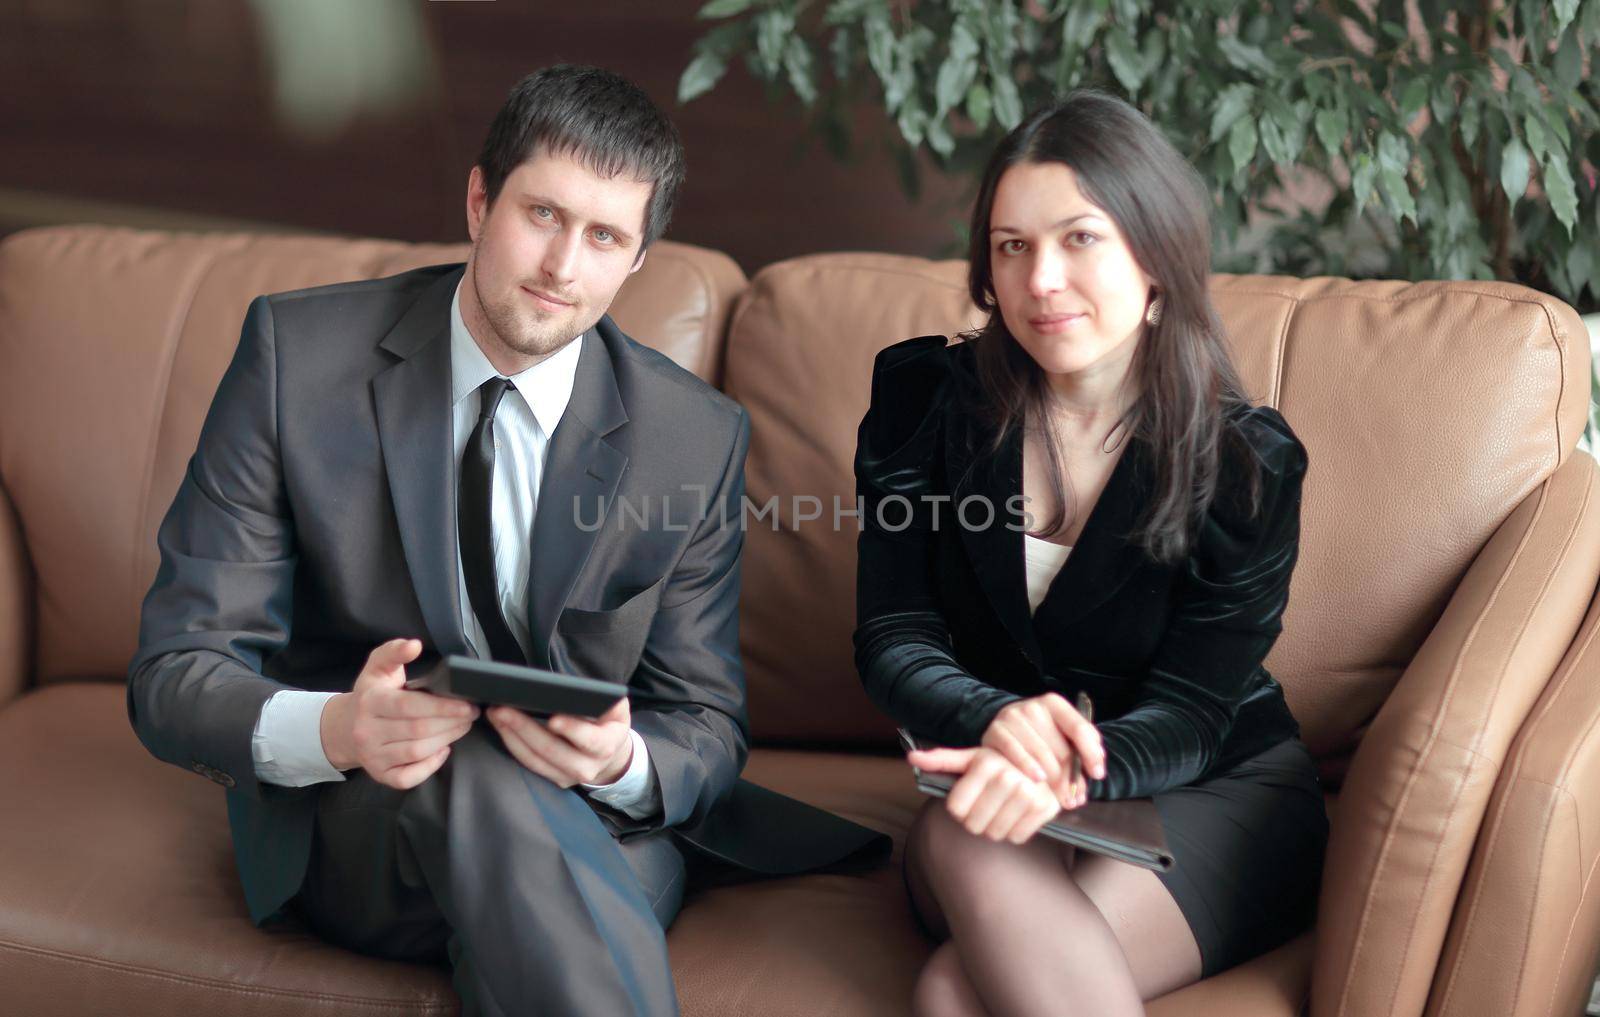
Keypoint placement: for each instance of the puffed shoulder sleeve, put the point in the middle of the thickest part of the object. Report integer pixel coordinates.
(902, 642)
(1231, 594)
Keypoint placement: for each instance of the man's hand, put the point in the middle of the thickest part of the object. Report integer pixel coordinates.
(992, 798)
(568, 750)
(1040, 735)
(397, 735)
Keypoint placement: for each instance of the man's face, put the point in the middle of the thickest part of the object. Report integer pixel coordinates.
(549, 255)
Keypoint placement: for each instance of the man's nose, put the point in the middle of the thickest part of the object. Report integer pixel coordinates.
(561, 257)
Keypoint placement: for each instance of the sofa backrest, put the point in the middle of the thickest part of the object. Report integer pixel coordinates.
(1429, 410)
(111, 345)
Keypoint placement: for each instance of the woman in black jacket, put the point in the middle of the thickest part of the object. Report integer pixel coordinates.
(1081, 498)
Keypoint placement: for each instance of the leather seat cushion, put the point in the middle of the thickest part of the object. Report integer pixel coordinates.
(122, 897)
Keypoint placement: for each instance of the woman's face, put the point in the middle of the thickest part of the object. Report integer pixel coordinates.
(1069, 289)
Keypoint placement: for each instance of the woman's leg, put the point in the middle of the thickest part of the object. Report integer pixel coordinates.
(1028, 938)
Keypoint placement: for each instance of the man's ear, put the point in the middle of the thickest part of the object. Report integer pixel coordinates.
(477, 202)
(638, 262)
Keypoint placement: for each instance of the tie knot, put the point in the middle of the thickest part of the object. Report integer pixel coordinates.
(490, 393)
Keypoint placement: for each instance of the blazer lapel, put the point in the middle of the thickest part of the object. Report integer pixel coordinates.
(414, 430)
(1104, 556)
(581, 475)
(995, 551)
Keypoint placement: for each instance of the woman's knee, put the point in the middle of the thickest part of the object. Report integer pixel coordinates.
(943, 989)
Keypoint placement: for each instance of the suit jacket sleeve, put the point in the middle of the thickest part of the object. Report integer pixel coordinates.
(688, 695)
(1231, 594)
(902, 644)
(220, 604)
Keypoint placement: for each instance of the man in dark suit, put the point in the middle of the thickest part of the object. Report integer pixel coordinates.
(417, 464)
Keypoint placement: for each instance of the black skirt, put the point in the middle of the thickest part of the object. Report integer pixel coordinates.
(1247, 850)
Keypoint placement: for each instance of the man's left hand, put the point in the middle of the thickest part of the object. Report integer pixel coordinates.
(568, 750)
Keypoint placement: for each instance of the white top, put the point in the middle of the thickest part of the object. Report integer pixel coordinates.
(1043, 560)
(287, 747)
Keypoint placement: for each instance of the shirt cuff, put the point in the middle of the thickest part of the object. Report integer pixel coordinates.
(287, 743)
(635, 793)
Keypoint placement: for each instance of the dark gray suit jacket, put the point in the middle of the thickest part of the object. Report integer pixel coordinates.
(317, 520)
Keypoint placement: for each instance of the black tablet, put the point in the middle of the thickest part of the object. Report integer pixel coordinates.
(530, 689)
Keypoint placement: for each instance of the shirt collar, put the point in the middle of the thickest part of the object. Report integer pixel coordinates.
(546, 386)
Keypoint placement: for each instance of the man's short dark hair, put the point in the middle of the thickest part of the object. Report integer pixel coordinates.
(602, 119)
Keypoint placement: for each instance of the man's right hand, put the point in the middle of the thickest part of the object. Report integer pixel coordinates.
(397, 735)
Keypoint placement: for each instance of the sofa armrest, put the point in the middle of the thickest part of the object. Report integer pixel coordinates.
(1526, 931)
(1420, 782)
(16, 605)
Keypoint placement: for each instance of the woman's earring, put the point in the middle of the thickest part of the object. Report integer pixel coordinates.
(1153, 314)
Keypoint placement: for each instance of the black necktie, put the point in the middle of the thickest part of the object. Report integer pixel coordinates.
(475, 523)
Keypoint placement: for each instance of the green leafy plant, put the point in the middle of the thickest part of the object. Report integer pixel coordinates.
(1400, 138)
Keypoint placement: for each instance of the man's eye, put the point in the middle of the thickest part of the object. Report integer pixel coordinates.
(604, 236)
(543, 212)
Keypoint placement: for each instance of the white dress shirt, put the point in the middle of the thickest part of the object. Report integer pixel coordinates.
(287, 745)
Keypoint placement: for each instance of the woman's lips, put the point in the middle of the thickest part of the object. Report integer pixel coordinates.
(547, 302)
(1049, 324)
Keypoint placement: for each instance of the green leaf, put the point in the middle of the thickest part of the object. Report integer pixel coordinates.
(1123, 56)
(1363, 178)
(979, 106)
(1007, 102)
(1443, 103)
(1332, 126)
(1514, 169)
(1533, 133)
(797, 62)
(912, 121)
(1563, 196)
(1580, 265)
(1080, 24)
(773, 28)
(1471, 120)
(1242, 142)
(1569, 61)
(1246, 57)
(702, 74)
(1413, 98)
(723, 8)
(880, 47)
(843, 12)
(1566, 10)
(1274, 143)
(1232, 103)
(1398, 193)
(939, 138)
(958, 70)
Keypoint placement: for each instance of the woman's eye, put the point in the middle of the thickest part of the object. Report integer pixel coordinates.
(1011, 246)
(1081, 239)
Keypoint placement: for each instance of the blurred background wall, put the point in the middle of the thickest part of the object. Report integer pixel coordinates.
(363, 117)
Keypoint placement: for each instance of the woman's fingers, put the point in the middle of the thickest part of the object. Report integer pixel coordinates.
(941, 760)
(1043, 808)
(1032, 739)
(1003, 740)
(1017, 804)
(1082, 734)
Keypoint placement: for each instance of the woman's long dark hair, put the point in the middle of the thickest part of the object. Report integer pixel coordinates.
(1186, 382)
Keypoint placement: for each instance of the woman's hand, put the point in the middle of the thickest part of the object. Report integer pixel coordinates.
(992, 798)
(1040, 736)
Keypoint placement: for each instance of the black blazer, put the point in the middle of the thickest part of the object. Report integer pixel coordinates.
(317, 520)
(1170, 654)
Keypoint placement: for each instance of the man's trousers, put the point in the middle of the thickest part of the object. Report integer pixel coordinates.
(516, 882)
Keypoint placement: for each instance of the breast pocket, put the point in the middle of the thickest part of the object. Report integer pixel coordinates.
(608, 644)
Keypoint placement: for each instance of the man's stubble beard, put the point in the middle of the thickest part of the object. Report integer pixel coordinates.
(514, 332)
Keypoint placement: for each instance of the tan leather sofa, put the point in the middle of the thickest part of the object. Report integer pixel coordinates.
(1440, 648)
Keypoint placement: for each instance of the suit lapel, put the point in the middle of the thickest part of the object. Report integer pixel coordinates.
(581, 475)
(1104, 557)
(995, 551)
(414, 430)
